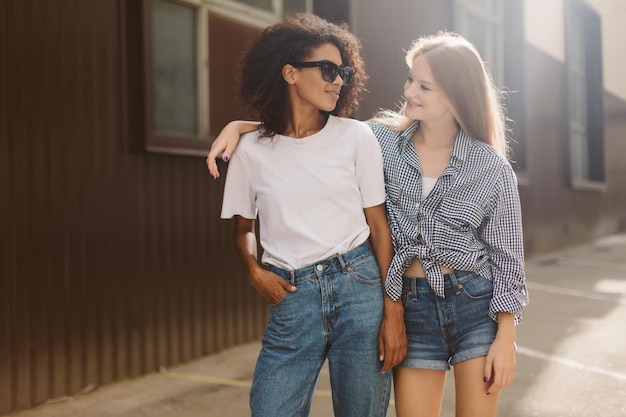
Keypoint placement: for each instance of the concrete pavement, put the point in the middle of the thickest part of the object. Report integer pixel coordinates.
(571, 359)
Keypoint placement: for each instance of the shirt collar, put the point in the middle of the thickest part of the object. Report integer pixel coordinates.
(407, 134)
(461, 149)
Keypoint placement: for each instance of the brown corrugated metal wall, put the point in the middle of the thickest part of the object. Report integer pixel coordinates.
(113, 262)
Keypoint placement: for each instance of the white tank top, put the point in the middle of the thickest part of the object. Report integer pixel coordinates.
(427, 186)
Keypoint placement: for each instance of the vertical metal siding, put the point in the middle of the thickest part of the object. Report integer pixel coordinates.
(5, 213)
(113, 262)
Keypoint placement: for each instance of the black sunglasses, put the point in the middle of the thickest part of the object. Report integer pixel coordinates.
(329, 69)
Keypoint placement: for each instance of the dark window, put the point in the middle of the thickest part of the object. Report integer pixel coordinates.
(175, 69)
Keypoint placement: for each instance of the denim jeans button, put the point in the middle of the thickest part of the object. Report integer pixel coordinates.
(319, 267)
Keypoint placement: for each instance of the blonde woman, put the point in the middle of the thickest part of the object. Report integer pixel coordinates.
(455, 217)
(454, 212)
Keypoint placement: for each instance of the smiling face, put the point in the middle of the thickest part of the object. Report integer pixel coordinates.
(424, 101)
(308, 86)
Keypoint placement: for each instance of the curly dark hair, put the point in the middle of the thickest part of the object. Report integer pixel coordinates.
(261, 85)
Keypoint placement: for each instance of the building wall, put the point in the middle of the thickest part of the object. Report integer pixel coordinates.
(544, 29)
(113, 261)
(555, 215)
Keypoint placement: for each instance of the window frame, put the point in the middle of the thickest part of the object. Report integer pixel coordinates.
(593, 177)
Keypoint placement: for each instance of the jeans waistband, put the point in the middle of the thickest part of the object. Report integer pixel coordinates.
(451, 280)
(337, 263)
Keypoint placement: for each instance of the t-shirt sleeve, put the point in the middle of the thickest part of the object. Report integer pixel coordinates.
(369, 169)
(238, 196)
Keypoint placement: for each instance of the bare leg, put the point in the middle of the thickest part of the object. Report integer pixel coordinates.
(418, 392)
(471, 391)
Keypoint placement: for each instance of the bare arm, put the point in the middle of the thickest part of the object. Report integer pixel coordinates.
(269, 285)
(226, 142)
(392, 343)
(501, 364)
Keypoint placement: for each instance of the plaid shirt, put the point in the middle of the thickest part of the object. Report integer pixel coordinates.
(470, 221)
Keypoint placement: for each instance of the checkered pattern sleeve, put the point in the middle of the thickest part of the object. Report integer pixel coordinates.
(502, 235)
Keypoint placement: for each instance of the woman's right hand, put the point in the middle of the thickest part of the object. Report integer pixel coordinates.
(270, 286)
(226, 142)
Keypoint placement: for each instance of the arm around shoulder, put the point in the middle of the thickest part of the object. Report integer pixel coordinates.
(226, 142)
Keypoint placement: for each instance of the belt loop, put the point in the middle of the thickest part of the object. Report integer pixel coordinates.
(455, 284)
(293, 277)
(342, 263)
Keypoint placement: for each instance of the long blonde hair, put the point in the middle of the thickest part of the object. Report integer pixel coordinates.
(466, 87)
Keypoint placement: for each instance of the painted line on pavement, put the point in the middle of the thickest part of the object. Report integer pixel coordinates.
(572, 364)
(576, 293)
(590, 263)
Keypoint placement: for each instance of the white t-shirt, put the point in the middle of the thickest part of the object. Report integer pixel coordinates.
(309, 193)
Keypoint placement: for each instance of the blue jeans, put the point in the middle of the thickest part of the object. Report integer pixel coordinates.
(336, 314)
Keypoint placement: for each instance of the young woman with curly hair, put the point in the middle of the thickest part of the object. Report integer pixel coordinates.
(315, 181)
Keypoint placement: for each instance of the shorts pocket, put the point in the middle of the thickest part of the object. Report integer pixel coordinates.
(478, 288)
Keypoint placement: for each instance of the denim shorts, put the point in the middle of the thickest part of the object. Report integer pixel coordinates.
(445, 331)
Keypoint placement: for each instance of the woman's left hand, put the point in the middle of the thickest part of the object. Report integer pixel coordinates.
(501, 363)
